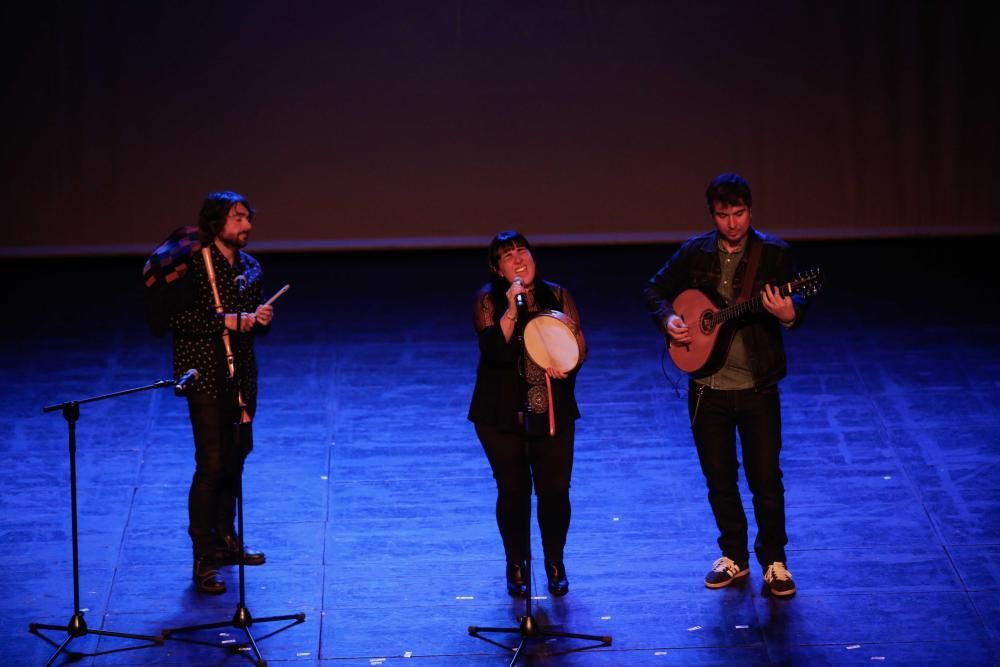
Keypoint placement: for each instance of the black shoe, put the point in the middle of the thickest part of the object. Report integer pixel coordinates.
(779, 580)
(206, 577)
(556, 573)
(724, 572)
(517, 584)
(227, 553)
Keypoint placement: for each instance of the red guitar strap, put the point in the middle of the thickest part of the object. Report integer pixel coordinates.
(753, 261)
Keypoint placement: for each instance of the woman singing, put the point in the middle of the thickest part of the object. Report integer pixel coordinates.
(510, 407)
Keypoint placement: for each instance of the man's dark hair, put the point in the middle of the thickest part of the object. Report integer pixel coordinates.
(212, 217)
(729, 189)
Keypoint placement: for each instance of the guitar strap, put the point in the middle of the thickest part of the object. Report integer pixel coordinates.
(753, 261)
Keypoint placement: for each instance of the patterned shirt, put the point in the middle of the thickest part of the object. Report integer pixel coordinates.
(198, 328)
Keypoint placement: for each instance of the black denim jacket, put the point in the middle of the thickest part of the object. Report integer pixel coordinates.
(696, 265)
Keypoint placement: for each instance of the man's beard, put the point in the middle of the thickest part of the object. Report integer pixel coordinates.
(235, 241)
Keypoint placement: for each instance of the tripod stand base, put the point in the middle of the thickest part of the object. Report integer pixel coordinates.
(77, 627)
(242, 620)
(529, 629)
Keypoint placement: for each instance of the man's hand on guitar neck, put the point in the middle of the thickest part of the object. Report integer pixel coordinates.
(779, 306)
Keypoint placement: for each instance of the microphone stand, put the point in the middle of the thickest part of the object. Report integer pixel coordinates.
(77, 626)
(528, 629)
(242, 619)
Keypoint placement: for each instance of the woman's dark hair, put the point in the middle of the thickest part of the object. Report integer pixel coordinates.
(500, 244)
(729, 189)
(212, 217)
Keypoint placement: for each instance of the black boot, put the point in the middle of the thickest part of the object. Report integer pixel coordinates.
(517, 582)
(206, 577)
(555, 571)
(227, 553)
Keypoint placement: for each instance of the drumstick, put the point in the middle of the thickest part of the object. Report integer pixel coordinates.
(552, 408)
(276, 295)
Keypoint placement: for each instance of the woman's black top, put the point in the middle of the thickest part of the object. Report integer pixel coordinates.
(509, 385)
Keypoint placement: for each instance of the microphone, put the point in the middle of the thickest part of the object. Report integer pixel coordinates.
(519, 298)
(181, 386)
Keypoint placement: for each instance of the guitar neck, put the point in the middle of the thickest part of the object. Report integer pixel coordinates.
(754, 305)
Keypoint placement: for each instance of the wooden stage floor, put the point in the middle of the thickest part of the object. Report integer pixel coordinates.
(373, 500)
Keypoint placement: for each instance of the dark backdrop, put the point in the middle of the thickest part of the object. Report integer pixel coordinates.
(437, 122)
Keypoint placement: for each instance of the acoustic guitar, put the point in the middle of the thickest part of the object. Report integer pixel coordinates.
(712, 327)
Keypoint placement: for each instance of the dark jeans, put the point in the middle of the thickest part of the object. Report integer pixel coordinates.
(548, 462)
(219, 463)
(717, 416)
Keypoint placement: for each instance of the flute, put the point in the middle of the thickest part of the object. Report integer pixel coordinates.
(206, 253)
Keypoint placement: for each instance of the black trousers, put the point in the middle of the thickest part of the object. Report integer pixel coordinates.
(220, 448)
(520, 462)
(717, 416)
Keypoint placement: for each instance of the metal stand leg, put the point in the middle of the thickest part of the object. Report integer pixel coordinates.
(77, 626)
(242, 619)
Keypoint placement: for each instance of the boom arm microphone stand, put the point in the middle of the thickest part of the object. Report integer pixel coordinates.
(528, 629)
(242, 619)
(77, 626)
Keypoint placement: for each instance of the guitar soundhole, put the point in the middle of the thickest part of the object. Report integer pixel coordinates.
(706, 323)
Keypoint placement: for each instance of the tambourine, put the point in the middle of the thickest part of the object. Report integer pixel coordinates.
(553, 340)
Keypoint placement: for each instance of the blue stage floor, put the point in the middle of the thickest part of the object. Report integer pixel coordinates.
(373, 500)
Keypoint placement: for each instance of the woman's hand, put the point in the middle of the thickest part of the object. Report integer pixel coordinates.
(516, 287)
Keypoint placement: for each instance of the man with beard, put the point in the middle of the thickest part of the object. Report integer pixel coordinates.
(221, 407)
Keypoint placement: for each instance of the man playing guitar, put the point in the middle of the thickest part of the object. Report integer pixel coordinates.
(734, 389)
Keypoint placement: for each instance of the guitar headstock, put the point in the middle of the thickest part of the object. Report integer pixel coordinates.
(808, 283)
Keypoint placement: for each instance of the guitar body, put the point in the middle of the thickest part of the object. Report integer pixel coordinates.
(697, 311)
(712, 327)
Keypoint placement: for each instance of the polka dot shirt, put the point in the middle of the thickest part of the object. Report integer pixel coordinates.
(198, 329)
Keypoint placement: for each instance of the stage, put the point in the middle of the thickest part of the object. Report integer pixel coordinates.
(374, 502)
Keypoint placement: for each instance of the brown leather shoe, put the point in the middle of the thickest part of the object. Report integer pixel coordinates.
(228, 553)
(206, 577)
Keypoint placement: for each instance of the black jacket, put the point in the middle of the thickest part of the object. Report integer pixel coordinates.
(696, 265)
